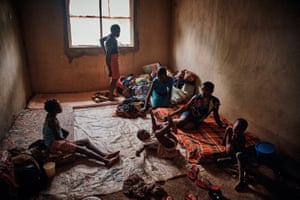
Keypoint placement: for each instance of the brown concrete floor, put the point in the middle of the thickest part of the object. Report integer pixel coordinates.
(273, 187)
(178, 187)
(268, 187)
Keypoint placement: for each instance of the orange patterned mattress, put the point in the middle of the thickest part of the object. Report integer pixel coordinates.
(205, 143)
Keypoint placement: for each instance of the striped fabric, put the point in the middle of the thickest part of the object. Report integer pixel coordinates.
(205, 143)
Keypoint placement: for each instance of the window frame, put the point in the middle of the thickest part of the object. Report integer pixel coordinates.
(75, 52)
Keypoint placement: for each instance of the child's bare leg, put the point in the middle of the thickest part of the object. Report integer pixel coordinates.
(111, 162)
(160, 132)
(111, 155)
(154, 124)
(241, 165)
(228, 130)
(166, 141)
(91, 146)
(172, 125)
(112, 87)
(91, 154)
(181, 121)
(138, 152)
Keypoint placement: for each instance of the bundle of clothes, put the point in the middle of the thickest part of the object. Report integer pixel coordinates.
(135, 187)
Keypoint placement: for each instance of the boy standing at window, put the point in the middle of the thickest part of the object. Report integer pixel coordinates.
(110, 45)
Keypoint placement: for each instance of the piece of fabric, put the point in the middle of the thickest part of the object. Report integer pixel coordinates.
(7, 173)
(178, 96)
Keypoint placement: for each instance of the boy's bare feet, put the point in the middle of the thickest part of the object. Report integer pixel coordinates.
(112, 162)
(111, 155)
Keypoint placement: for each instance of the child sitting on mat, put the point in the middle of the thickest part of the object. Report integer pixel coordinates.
(164, 141)
(234, 142)
(55, 140)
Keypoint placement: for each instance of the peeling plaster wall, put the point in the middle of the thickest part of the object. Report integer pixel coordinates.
(251, 51)
(43, 28)
(14, 79)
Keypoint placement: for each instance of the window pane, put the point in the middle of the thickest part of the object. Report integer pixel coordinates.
(85, 21)
(85, 31)
(104, 6)
(119, 8)
(125, 34)
(84, 7)
(116, 8)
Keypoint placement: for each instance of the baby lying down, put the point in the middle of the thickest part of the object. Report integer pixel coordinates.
(163, 140)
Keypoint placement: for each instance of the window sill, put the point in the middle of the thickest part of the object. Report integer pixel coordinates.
(78, 52)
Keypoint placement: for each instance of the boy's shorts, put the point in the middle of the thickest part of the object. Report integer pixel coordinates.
(114, 66)
(62, 146)
(195, 120)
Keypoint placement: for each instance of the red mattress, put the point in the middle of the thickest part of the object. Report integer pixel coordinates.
(205, 143)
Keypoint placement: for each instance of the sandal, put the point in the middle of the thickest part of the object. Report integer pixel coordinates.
(190, 197)
(205, 184)
(193, 172)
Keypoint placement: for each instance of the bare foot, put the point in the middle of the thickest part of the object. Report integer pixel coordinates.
(112, 99)
(112, 162)
(111, 155)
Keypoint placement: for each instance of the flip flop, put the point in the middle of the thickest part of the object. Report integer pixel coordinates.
(190, 197)
(193, 172)
(205, 184)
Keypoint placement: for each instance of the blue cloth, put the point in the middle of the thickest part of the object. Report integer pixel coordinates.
(160, 93)
(48, 133)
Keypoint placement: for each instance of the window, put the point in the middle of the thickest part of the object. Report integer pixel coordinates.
(89, 20)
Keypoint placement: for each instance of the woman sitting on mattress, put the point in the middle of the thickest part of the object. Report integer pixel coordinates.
(160, 90)
(198, 108)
